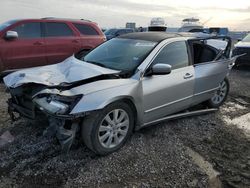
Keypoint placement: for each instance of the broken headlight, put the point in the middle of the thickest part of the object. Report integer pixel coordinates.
(57, 104)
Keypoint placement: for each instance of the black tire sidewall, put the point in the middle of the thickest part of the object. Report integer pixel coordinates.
(98, 148)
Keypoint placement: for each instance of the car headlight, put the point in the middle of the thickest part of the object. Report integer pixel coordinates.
(56, 104)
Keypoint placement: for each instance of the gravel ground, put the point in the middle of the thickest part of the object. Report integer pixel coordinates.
(157, 156)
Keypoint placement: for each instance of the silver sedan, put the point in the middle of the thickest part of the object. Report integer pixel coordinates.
(124, 84)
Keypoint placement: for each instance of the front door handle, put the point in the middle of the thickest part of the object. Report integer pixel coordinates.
(188, 75)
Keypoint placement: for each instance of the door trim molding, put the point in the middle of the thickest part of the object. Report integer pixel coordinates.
(167, 104)
(181, 115)
(179, 100)
(207, 91)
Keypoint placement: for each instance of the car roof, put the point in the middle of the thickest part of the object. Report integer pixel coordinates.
(154, 36)
(66, 19)
(119, 29)
(58, 19)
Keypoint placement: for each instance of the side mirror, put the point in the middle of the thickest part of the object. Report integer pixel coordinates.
(239, 39)
(160, 69)
(11, 35)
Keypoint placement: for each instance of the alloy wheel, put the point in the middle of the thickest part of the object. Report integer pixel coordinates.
(220, 94)
(113, 128)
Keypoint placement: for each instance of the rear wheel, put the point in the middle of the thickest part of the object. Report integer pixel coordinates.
(107, 131)
(220, 95)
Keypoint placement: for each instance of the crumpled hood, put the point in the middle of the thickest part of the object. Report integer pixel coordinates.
(68, 71)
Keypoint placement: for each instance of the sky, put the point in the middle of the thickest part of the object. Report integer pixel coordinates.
(234, 14)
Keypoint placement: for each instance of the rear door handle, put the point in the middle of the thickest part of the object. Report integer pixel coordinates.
(75, 41)
(187, 76)
(38, 43)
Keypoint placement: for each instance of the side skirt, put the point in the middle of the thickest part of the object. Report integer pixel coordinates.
(180, 115)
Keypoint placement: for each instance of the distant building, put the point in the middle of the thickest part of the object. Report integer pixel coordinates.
(130, 25)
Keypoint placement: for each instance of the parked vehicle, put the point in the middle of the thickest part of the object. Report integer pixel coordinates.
(112, 33)
(243, 47)
(127, 83)
(35, 42)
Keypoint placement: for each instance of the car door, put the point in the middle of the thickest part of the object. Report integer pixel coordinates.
(28, 50)
(167, 94)
(208, 71)
(61, 41)
(89, 36)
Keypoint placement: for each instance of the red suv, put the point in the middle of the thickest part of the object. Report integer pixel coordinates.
(35, 42)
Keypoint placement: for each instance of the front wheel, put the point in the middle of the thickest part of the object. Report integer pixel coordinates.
(107, 131)
(220, 95)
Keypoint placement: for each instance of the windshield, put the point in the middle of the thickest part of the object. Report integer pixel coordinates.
(6, 24)
(247, 38)
(120, 54)
(110, 32)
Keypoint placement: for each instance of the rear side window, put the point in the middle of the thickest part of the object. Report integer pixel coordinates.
(58, 30)
(174, 54)
(28, 30)
(86, 30)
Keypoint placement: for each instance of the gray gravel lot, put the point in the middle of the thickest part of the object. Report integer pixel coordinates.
(157, 156)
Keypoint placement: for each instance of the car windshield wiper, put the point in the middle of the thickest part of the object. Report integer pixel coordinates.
(96, 63)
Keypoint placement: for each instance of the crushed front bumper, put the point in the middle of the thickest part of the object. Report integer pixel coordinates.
(32, 113)
(14, 108)
(64, 134)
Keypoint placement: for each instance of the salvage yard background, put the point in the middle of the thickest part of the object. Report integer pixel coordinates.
(211, 150)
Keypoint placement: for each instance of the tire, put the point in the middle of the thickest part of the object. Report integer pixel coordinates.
(103, 134)
(220, 95)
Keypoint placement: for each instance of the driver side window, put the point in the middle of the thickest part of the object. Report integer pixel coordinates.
(174, 54)
(29, 30)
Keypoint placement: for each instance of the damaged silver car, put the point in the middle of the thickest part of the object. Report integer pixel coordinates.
(124, 84)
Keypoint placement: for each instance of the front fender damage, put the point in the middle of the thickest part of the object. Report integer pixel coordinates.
(65, 106)
(63, 127)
